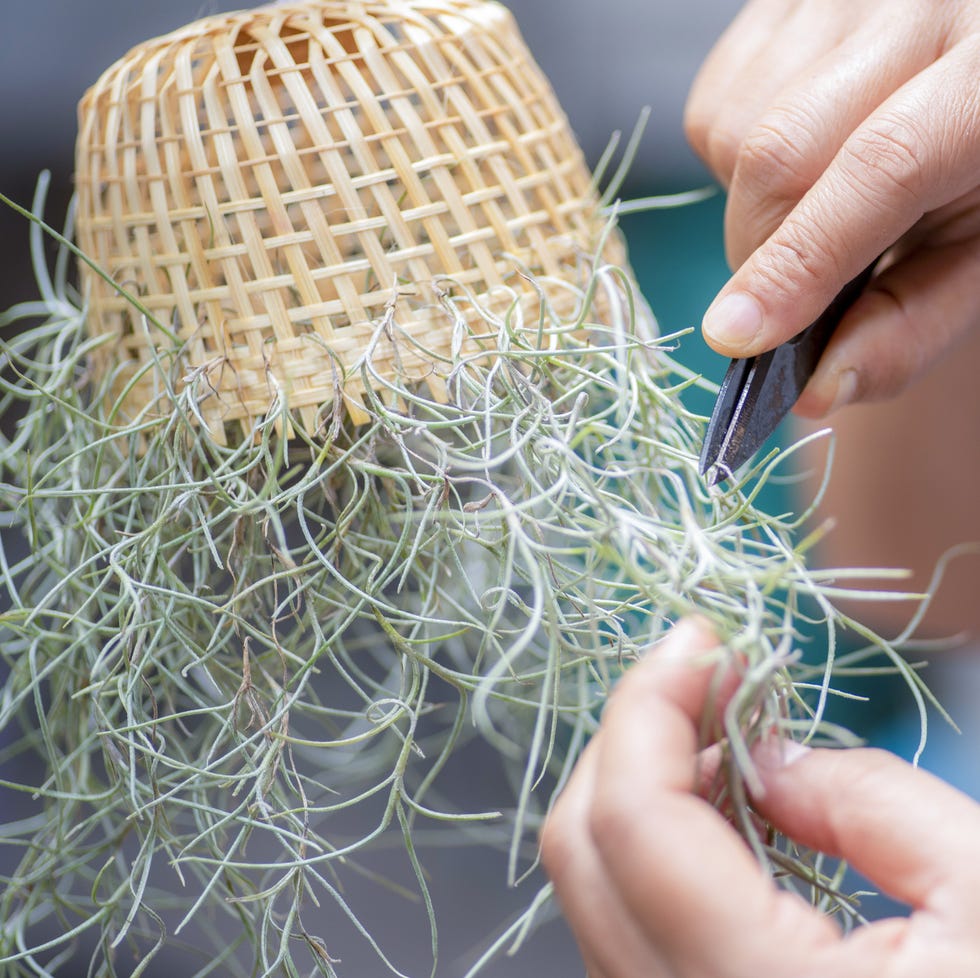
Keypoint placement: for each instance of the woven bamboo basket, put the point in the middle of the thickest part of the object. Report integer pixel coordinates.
(291, 186)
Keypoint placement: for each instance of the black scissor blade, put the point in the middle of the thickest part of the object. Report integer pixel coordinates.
(758, 392)
(762, 391)
(720, 423)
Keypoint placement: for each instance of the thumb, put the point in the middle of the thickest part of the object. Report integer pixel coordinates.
(908, 832)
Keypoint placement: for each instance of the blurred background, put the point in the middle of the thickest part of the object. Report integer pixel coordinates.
(901, 501)
(607, 61)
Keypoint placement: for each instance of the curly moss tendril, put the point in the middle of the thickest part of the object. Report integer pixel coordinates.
(214, 651)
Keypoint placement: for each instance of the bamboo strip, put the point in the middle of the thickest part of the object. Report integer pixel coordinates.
(276, 183)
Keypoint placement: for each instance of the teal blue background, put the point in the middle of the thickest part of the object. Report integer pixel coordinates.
(678, 258)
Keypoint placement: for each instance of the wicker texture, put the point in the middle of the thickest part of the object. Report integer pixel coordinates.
(275, 183)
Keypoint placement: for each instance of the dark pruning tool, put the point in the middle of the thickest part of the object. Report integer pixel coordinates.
(758, 392)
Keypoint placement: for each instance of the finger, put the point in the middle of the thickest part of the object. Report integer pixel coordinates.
(611, 944)
(674, 859)
(786, 148)
(745, 71)
(919, 151)
(912, 835)
(916, 312)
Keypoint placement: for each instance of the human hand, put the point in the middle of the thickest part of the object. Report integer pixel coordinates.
(843, 129)
(655, 882)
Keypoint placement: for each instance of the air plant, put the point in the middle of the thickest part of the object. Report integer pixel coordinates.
(296, 531)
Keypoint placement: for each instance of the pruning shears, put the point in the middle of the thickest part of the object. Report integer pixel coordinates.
(758, 392)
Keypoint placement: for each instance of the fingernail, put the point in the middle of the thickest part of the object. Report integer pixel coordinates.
(774, 754)
(734, 320)
(847, 384)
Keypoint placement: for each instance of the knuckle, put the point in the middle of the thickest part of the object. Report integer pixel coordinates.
(778, 156)
(696, 126)
(610, 821)
(722, 152)
(557, 840)
(799, 260)
(708, 133)
(885, 158)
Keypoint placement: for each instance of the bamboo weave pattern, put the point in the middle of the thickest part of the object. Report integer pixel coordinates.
(278, 184)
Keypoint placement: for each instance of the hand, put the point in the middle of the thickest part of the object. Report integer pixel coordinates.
(843, 129)
(655, 882)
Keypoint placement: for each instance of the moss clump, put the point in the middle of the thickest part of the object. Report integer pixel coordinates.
(219, 652)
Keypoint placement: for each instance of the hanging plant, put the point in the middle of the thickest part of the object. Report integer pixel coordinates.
(357, 443)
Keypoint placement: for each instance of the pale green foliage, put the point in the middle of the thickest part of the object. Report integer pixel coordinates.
(214, 651)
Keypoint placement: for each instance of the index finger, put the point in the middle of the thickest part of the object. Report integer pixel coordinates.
(916, 152)
(679, 866)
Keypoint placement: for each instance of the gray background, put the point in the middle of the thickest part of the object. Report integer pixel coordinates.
(607, 60)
